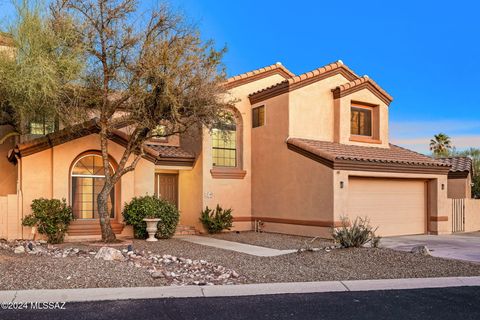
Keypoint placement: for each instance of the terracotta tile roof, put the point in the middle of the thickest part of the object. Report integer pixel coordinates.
(459, 164)
(321, 70)
(167, 155)
(361, 83)
(333, 152)
(170, 151)
(308, 75)
(276, 68)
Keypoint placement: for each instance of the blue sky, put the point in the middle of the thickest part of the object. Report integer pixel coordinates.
(426, 54)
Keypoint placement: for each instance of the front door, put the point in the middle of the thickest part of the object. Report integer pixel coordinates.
(166, 187)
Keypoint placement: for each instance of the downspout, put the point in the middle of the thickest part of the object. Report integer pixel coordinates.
(20, 190)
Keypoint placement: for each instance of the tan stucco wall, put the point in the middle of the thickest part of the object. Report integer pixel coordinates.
(472, 215)
(190, 193)
(8, 171)
(311, 110)
(233, 193)
(47, 173)
(315, 114)
(344, 105)
(285, 184)
(459, 188)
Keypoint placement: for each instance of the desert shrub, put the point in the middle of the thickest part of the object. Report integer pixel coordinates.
(216, 220)
(376, 241)
(355, 234)
(151, 207)
(51, 217)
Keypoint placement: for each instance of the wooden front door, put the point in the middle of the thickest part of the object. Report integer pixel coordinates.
(166, 187)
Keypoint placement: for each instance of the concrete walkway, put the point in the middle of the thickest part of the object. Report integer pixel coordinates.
(452, 246)
(235, 246)
(104, 294)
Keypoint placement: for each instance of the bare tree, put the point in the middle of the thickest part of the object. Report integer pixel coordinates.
(156, 75)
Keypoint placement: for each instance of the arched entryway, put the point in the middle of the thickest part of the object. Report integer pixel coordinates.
(87, 178)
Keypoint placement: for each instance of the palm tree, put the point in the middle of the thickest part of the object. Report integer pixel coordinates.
(440, 145)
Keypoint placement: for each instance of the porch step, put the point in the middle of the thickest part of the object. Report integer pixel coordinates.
(185, 230)
(91, 228)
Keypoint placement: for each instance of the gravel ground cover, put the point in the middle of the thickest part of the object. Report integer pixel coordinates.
(272, 240)
(27, 271)
(35, 265)
(338, 264)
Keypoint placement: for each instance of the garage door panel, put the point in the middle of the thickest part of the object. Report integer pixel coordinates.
(396, 206)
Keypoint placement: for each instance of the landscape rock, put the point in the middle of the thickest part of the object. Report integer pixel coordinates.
(156, 275)
(19, 249)
(169, 269)
(109, 254)
(423, 250)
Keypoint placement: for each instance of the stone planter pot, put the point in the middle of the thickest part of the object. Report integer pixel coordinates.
(152, 228)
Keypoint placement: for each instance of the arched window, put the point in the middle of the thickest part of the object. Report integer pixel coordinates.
(226, 142)
(88, 178)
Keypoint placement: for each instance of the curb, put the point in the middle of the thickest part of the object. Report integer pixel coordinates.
(103, 294)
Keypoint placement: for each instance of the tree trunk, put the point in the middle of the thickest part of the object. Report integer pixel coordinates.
(107, 232)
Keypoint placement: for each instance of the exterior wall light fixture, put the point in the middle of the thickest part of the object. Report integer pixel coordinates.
(341, 184)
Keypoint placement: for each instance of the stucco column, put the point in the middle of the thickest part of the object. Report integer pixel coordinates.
(439, 206)
(340, 195)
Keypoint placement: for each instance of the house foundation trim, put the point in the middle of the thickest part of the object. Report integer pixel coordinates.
(312, 223)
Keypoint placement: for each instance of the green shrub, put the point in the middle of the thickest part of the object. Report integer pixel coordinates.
(355, 234)
(51, 217)
(151, 207)
(217, 220)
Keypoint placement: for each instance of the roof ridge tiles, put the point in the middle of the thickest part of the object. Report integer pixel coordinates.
(306, 77)
(346, 87)
(261, 70)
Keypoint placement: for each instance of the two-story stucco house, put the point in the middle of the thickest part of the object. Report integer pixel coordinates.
(304, 151)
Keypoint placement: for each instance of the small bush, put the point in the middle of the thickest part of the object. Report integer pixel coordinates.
(151, 207)
(376, 241)
(355, 234)
(217, 220)
(51, 217)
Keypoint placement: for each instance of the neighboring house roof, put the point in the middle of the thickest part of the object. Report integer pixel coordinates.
(258, 74)
(304, 79)
(164, 155)
(359, 84)
(360, 158)
(461, 166)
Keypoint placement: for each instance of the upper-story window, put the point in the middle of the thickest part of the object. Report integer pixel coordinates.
(42, 125)
(361, 121)
(224, 142)
(258, 116)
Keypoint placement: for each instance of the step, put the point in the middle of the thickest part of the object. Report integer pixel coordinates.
(185, 230)
(86, 228)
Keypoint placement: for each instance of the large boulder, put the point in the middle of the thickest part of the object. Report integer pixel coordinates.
(109, 254)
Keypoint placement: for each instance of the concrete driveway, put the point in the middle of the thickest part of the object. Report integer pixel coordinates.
(462, 246)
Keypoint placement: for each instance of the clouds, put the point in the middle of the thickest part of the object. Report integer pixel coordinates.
(416, 135)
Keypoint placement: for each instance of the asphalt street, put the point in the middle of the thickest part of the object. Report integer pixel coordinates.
(440, 303)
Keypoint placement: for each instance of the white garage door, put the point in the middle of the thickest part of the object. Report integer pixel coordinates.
(396, 206)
